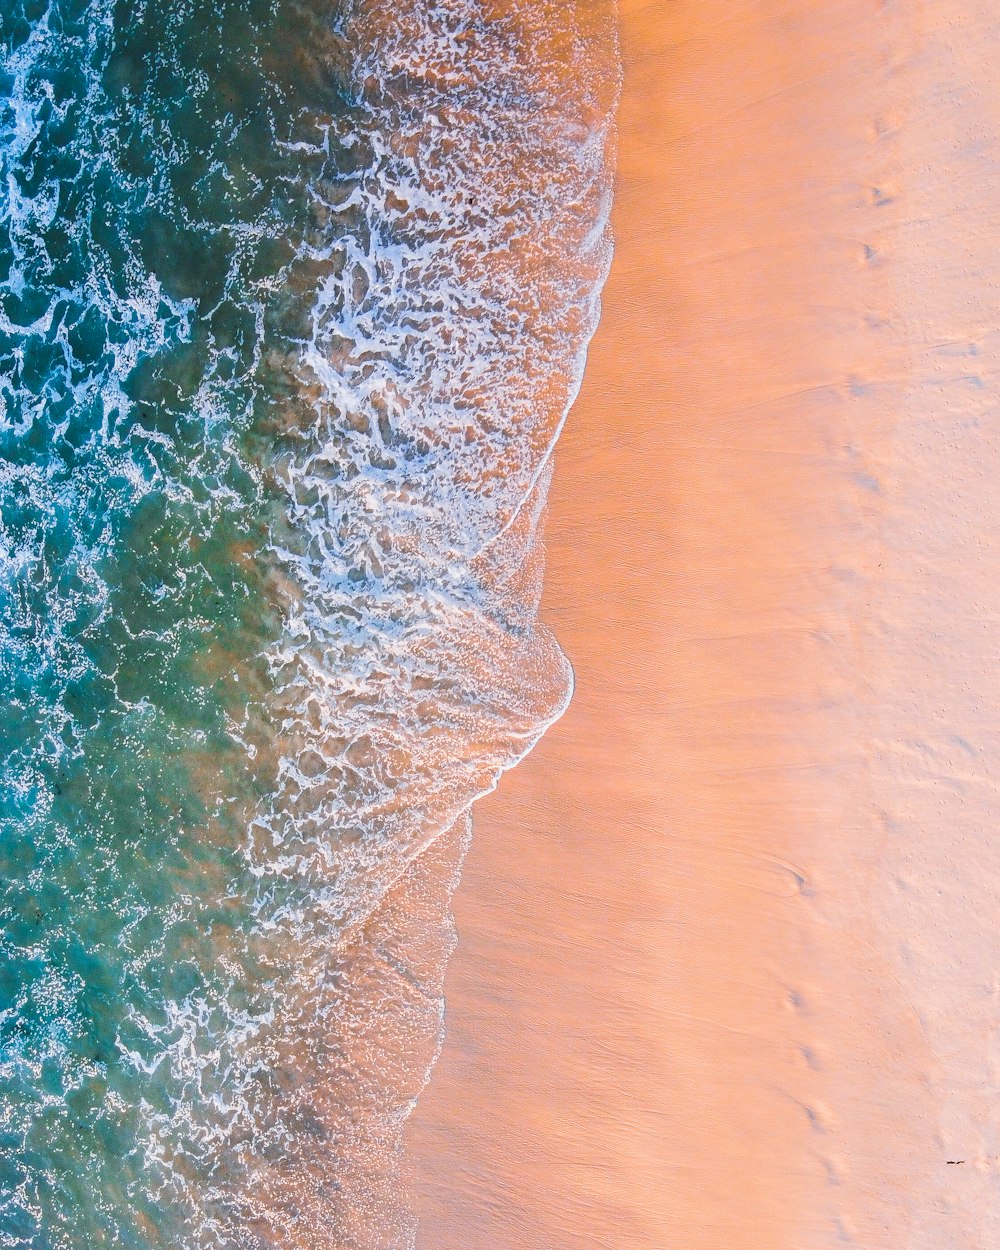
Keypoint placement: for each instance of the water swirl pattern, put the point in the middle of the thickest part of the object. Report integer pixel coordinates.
(294, 299)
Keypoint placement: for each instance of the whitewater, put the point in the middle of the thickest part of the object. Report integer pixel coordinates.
(294, 300)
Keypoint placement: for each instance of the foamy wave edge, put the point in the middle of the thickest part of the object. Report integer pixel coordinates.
(452, 271)
(460, 273)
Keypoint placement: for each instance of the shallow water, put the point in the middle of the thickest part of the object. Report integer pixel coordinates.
(294, 301)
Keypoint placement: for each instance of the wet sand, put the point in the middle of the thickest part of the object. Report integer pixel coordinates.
(727, 963)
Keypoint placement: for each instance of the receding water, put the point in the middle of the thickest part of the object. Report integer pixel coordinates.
(293, 301)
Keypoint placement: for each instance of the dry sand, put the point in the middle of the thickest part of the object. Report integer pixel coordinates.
(729, 973)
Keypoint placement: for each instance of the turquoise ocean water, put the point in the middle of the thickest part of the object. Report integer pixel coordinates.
(293, 301)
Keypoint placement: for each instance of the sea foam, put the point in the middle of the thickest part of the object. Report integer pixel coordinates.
(296, 301)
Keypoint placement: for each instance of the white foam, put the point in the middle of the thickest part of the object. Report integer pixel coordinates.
(454, 282)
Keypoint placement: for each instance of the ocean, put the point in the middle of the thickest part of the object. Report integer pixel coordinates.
(294, 300)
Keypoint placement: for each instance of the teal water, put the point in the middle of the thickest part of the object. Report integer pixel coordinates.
(293, 300)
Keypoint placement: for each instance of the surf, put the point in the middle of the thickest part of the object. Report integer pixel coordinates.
(295, 300)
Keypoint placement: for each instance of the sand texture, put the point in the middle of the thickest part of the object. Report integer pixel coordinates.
(729, 966)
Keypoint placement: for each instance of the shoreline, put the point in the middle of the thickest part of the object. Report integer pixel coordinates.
(684, 1007)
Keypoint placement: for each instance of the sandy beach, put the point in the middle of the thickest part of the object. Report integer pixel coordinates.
(706, 992)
